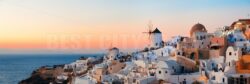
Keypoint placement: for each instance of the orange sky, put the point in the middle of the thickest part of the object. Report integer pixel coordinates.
(94, 24)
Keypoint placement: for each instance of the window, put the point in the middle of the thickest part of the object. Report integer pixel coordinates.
(230, 53)
(159, 72)
(212, 64)
(178, 53)
(134, 80)
(223, 80)
(152, 74)
(213, 78)
(166, 71)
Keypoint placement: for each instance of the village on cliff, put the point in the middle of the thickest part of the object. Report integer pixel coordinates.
(222, 57)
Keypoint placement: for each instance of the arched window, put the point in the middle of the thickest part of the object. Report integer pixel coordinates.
(178, 53)
(213, 65)
(213, 78)
(162, 53)
(159, 72)
(230, 53)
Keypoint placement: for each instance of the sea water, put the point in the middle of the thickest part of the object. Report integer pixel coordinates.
(14, 68)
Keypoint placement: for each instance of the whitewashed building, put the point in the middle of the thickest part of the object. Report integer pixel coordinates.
(113, 53)
(232, 55)
(156, 39)
(165, 69)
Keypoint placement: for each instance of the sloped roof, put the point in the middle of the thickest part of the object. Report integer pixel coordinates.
(156, 31)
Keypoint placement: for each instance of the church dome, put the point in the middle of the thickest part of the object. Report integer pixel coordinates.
(241, 24)
(197, 28)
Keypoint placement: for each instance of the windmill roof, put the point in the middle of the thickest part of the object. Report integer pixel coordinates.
(156, 31)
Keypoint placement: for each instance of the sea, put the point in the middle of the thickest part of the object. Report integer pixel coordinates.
(14, 68)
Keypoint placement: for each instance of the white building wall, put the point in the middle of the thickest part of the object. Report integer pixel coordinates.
(156, 40)
(232, 55)
(163, 73)
(201, 40)
(218, 78)
(112, 54)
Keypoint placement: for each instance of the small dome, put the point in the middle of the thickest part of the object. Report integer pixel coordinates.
(197, 28)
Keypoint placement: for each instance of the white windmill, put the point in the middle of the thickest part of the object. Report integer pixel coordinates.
(154, 37)
(149, 32)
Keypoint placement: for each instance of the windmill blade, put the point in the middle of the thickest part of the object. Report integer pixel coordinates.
(150, 26)
(110, 46)
(149, 34)
(149, 37)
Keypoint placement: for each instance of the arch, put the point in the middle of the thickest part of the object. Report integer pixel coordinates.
(201, 55)
(161, 81)
(196, 82)
(192, 55)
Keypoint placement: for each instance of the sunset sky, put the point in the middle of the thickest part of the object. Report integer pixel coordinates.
(89, 26)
